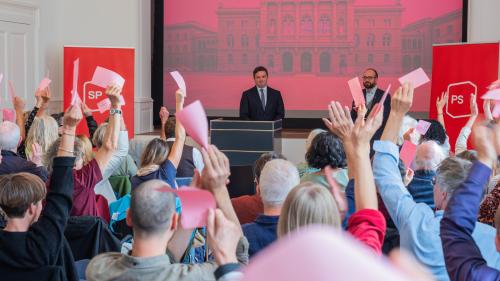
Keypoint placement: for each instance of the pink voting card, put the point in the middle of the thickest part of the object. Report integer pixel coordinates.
(44, 83)
(407, 153)
(9, 114)
(422, 127)
(492, 95)
(180, 81)
(195, 204)
(356, 91)
(417, 77)
(194, 120)
(104, 105)
(74, 93)
(496, 110)
(378, 106)
(299, 256)
(104, 77)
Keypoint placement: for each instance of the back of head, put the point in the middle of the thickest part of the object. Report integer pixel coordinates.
(170, 127)
(261, 162)
(326, 149)
(308, 203)
(470, 155)
(311, 137)
(18, 192)
(150, 209)
(9, 136)
(436, 132)
(51, 153)
(156, 152)
(276, 180)
(98, 137)
(451, 173)
(428, 156)
(44, 131)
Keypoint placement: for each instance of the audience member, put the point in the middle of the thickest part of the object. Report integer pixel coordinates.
(277, 179)
(33, 243)
(157, 160)
(303, 167)
(248, 207)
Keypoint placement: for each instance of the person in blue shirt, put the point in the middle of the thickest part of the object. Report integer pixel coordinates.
(276, 180)
(464, 260)
(157, 160)
(417, 223)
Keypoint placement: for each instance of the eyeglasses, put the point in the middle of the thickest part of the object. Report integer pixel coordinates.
(368, 77)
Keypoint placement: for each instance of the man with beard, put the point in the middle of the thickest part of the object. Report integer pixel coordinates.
(373, 95)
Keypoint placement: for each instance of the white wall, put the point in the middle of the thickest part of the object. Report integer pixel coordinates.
(96, 23)
(484, 22)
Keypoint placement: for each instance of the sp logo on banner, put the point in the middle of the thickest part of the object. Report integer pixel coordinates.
(119, 60)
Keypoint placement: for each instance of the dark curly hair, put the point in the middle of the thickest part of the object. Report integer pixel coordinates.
(326, 149)
(435, 133)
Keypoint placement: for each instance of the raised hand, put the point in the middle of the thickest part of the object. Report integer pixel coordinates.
(216, 172)
(223, 236)
(72, 116)
(36, 154)
(164, 114)
(474, 111)
(441, 102)
(113, 93)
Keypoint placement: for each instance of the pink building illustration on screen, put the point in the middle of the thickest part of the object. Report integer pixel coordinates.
(320, 37)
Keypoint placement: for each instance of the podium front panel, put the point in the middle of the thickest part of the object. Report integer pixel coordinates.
(258, 141)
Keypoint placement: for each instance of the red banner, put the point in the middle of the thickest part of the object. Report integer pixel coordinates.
(462, 69)
(119, 60)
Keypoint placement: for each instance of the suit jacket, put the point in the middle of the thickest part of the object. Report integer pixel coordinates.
(251, 105)
(387, 109)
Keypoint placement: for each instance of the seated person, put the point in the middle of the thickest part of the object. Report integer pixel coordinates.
(427, 158)
(87, 176)
(191, 157)
(119, 156)
(33, 239)
(463, 255)
(157, 160)
(277, 179)
(248, 207)
(327, 149)
(154, 220)
(10, 136)
(417, 223)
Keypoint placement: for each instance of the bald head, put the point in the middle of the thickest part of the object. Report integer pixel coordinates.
(428, 156)
(9, 136)
(150, 209)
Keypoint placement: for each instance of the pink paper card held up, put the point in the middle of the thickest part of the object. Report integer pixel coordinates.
(496, 110)
(180, 81)
(74, 93)
(104, 105)
(44, 83)
(194, 120)
(417, 77)
(290, 259)
(104, 77)
(378, 106)
(422, 127)
(407, 153)
(492, 95)
(356, 91)
(9, 114)
(195, 204)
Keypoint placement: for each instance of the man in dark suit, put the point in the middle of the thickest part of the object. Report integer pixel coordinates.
(373, 95)
(261, 103)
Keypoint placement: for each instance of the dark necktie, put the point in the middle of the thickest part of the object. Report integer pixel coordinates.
(263, 98)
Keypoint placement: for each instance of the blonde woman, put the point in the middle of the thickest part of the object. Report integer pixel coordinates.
(44, 131)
